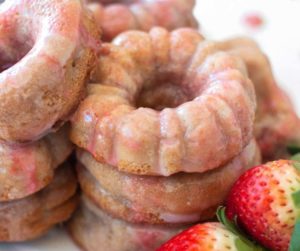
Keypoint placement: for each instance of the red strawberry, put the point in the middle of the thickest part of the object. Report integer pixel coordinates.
(266, 201)
(208, 237)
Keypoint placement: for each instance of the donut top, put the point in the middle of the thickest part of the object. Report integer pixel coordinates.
(42, 43)
(166, 102)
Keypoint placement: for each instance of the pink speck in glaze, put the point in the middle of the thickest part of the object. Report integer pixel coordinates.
(93, 136)
(52, 60)
(133, 145)
(253, 20)
(92, 143)
(23, 164)
(89, 40)
(145, 238)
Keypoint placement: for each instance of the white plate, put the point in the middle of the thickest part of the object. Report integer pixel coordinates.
(279, 37)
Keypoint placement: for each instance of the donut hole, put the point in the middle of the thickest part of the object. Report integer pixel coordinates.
(17, 37)
(163, 94)
(13, 51)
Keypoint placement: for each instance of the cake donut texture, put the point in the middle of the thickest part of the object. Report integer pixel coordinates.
(46, 50)
(25, 169)
(116, 16)
(31, 217)
(165, 102)
(180, 198)
(94, 230)
(276, 122)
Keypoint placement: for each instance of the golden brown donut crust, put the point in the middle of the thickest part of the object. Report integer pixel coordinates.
(25, 169)
(94, 230)
(50, 47)
(179, 199)
(115, 17)
(31, 217)
(205, 127)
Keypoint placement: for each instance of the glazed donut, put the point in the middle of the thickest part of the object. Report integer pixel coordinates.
(115, 16)
(46, 50)
(276, 121)
(26, 169)
(94, 230)
(165, 103)
(32, 216)
(180, 198)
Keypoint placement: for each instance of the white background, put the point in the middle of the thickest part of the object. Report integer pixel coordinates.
(279, 37)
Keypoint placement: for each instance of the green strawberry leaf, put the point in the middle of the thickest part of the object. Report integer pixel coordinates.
(295, 241)
(293, 148)
(296, 157)
(296, 199)
(296, 164)
(242, 246)
(296, 161)
(242, 242)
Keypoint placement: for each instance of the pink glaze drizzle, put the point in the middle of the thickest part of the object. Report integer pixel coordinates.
(23, 165)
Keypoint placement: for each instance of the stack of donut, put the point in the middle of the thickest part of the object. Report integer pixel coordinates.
(46, 52)
(166, 125)
(166, 129)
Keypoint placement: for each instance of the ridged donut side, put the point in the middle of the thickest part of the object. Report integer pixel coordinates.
(180, 198)
(33, 216)
(26, 169)
(92, 228)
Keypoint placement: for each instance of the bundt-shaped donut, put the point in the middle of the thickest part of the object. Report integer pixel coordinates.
(32, 216)
(94, 230)
(276, 121)
(180, 198)
(115, 16)
(28, 168)
(165, 103)
(46, 50)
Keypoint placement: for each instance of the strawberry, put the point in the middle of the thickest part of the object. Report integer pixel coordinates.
(209, 237)
(266, 203)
